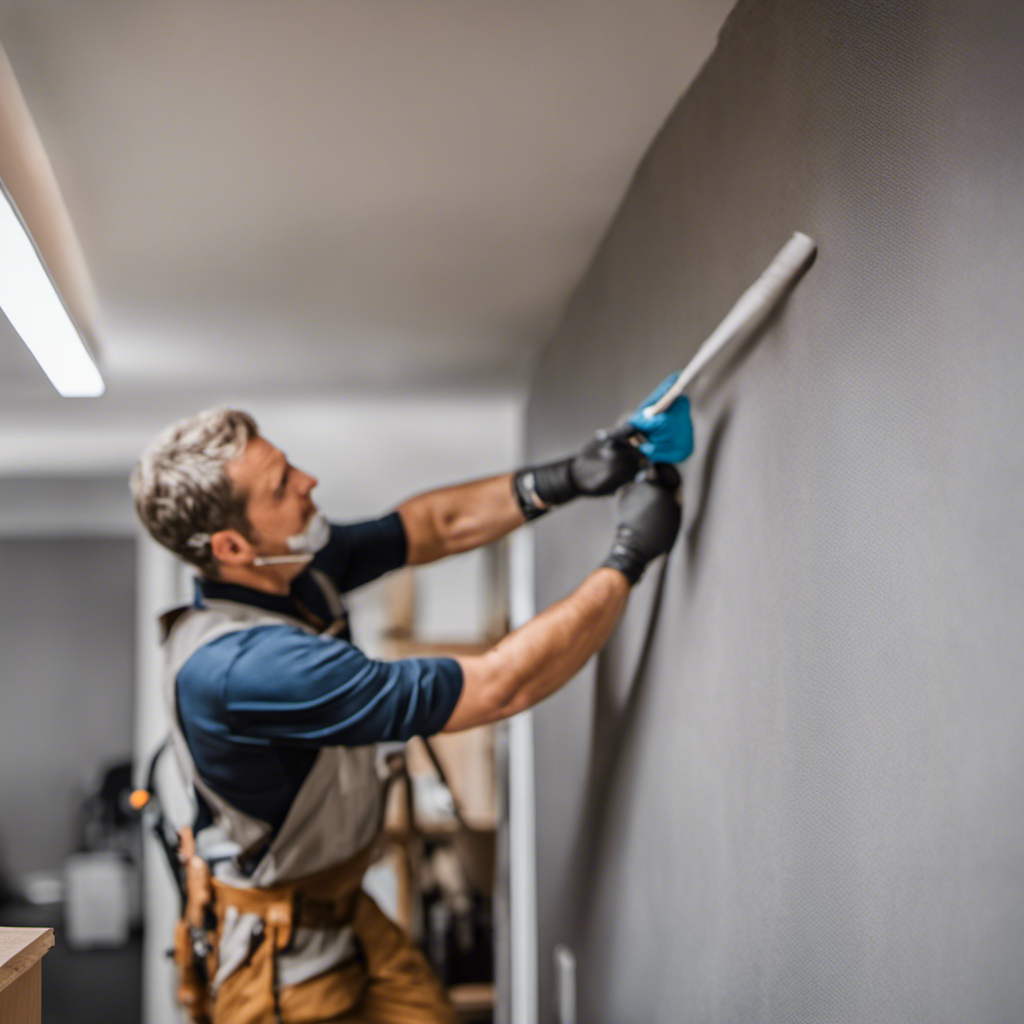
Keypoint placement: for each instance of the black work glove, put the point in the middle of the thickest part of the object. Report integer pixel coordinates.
(601, 466)
(650, 512)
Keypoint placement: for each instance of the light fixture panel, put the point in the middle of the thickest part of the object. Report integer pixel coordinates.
(35, 309)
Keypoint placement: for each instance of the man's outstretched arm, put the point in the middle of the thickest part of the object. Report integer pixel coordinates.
(453, 519)
(541, 656)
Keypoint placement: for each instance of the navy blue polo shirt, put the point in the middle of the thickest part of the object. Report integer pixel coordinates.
(256, 705)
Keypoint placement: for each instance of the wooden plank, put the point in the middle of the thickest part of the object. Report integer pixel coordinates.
(22, 1001)
(20, 950)
(398, 647)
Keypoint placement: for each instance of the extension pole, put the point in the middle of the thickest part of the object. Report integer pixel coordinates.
(750, 311)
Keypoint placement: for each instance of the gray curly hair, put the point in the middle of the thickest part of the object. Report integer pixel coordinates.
(183, 494)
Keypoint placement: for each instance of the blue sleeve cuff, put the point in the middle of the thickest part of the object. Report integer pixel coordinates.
(449, 689)
(360, 552)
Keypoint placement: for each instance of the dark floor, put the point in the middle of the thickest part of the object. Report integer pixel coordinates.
(102, 986)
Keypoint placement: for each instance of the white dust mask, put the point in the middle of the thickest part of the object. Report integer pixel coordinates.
(303, 545)
(313, 538)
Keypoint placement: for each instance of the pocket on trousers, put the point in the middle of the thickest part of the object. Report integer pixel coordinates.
(326, 996)
(246, 995)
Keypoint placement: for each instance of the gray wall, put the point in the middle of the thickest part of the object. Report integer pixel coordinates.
(67, 640)
(55, 506)
(792, 790)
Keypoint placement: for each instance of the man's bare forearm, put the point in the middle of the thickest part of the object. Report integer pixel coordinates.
(453, 519)
(542, 655)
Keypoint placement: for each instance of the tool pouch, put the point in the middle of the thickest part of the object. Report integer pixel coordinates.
(194, 933)
(255, 992)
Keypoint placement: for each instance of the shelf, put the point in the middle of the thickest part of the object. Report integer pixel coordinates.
(409, 647)
(21, 950)
(436, 830)
(472, 999)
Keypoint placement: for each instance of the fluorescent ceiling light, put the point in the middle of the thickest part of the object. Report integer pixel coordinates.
(37, 312)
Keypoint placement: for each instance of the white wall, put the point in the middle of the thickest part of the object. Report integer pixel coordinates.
(160, 583)
(370, 454)
(39, 506)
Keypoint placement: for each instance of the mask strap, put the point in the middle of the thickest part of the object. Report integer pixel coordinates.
(303, 558)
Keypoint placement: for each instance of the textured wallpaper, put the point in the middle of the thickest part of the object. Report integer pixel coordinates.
(792, 787)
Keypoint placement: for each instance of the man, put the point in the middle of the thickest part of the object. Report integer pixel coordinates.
(275, 713)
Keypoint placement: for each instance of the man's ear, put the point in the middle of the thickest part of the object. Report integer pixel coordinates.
(229, 547)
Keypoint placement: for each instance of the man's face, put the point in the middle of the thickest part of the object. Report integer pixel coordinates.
(279, 503)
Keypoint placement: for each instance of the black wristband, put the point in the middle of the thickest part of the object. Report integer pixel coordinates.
(537, 488)
(629, 562)
(524, 487)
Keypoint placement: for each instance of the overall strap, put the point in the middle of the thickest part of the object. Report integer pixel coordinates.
(337, 625)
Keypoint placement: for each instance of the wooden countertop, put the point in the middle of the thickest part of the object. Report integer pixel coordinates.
(21, 949)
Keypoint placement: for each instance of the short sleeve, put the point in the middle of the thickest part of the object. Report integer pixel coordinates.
(289, 686)
(360, 552)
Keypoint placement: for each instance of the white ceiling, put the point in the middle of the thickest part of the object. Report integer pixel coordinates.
(302, 199)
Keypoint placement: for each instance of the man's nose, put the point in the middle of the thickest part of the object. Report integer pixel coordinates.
(308, 481)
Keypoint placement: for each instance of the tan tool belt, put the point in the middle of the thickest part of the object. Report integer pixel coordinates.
(328, 899)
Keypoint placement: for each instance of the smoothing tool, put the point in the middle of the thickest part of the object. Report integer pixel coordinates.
(648, 423)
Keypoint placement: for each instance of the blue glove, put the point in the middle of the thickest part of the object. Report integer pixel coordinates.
(669, 434)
